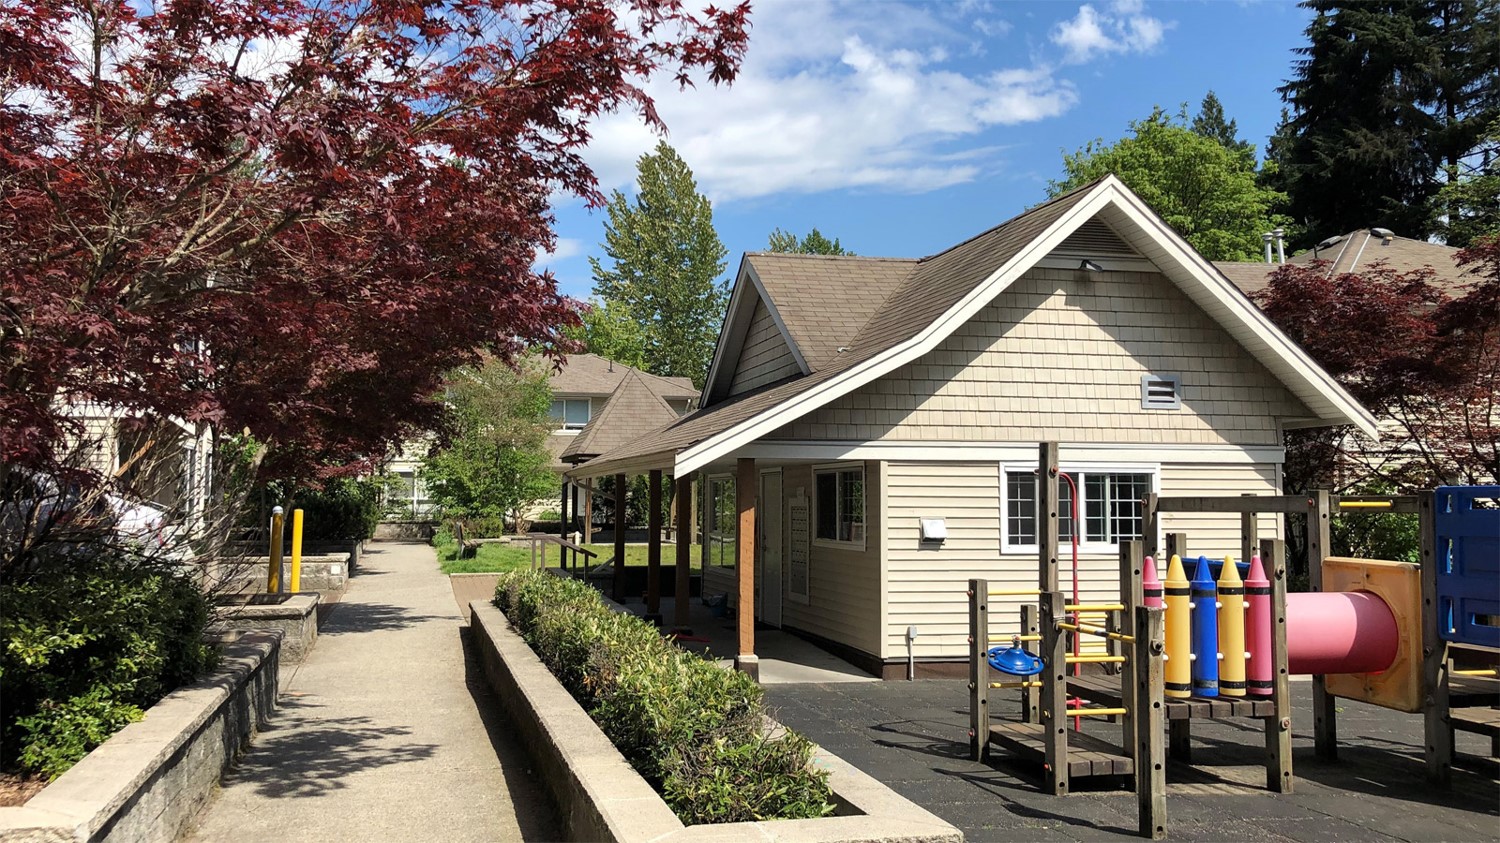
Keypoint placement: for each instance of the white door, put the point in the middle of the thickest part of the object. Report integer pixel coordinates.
(768, 544)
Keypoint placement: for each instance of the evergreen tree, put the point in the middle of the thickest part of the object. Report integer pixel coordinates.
(1211, 123)
(665, 261)
(1388, 96)
(1206, 191)
(813, 244)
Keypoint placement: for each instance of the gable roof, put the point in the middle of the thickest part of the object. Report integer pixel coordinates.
(941, 292)
(590, 374)
(633, 410)
(1359, 250)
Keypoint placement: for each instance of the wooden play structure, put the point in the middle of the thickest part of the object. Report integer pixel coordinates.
(1414, 638)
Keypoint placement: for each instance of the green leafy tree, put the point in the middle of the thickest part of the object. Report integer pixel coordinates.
(1206, 191)
(496, 462)
(1387, 98)
(813, 244)
(665, 260)
(1468, 206)
(611, 331)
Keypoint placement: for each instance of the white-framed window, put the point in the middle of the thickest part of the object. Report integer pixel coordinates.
(720, 534)
(570, 413)
(839, 505)
(1110, 509)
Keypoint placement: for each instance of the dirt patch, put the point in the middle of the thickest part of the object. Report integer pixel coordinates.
(15, 790)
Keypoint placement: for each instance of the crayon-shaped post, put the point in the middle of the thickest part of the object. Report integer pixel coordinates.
(1205, 597)
(1260, 672)
(1231, 630)
(1179, 666)
(1151, 595)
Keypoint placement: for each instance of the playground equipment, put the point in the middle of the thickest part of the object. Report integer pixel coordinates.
(1225, 645)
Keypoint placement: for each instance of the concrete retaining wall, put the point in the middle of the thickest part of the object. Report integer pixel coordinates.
(601, 797)
(404, 530)
(148, 782)
(296, 618)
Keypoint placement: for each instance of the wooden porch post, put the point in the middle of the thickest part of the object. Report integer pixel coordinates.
(745, 487)
(618, 584)
(588, 511)
(681, 603)
(562, 527)
(653, 547)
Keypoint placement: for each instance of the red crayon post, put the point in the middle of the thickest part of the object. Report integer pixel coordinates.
(1151, 586)
(1260, 673)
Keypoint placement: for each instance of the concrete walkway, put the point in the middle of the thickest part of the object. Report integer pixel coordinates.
(387, 731)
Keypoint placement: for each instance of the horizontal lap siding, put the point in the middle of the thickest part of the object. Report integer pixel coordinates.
(1060, 356)
(844, 585)
(926, 587)
(765, 357)
(1215, 534)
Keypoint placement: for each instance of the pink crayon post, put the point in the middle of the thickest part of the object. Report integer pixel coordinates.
(1151, 586)
(1259, 671)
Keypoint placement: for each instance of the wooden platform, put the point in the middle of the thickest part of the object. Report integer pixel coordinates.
(1473, 691)
(1483, 721)
(1105, 691)
(1087, 755)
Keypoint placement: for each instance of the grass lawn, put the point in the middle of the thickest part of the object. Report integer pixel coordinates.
(493, 558)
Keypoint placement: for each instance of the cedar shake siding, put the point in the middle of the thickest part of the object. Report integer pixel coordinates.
(765, 357)
(1060, 355)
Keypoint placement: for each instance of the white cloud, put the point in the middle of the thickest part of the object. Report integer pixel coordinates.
(566, 247)
(1124, 27)
(836, 96)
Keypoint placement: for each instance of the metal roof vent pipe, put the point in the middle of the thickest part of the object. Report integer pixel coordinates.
(1266, 239)
(1279, 235)
(1385, 235)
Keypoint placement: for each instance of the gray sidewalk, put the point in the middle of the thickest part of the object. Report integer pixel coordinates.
(387, 731)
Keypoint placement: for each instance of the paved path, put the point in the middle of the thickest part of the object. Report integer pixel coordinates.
(913, 736)
(387, 732)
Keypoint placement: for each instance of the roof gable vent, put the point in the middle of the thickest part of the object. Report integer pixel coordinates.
(1161, 392)
(1095, 239)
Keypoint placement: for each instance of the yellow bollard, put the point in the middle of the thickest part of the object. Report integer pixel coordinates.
(273, 574)
(296, 577)
(1231, 630)
(1179, 667)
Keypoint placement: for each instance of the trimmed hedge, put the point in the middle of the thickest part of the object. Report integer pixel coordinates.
(691, 728)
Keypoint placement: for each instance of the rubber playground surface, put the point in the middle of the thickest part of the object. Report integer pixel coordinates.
(913, 736)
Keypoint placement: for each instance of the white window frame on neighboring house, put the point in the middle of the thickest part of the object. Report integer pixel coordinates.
(839, 471)
(716, 529)
(1081, 473)
(567, 426)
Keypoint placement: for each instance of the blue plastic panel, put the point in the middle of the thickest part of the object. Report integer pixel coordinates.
(1468, 577)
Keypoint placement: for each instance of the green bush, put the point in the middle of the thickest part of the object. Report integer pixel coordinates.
(88, 645)
(692, 729)
(343, 509)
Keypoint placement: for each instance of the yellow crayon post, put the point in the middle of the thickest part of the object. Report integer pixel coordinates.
(1179, 621)
(296, 551)
(273, 572)
(1231, 630)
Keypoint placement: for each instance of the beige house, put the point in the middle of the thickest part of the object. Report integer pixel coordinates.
(879, 419)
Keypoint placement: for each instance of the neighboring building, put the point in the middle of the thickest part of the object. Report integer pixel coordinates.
(873, 393)
(166, 463)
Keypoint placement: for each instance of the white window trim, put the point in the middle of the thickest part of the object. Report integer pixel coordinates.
(813, 513)
(1007, 547)
(564, 430)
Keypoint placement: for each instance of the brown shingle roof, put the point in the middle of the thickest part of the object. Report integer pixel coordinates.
(634, 410)
(825, 300)
(590, 374)
(930, 288)
(1359, 250)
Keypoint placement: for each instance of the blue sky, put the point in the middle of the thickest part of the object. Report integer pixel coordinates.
(903, 128)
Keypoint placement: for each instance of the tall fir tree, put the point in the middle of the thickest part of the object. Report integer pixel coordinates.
(1387, 96)
(665, 260)
(1211, 123)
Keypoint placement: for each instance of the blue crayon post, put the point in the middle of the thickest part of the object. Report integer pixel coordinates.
(1205, 599)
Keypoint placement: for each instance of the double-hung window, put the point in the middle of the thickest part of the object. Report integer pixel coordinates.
(840, 504)
(1110, 509)
(570, 413)
(722, 514)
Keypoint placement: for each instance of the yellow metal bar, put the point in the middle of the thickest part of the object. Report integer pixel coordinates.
(1096, 608)
(1364, 504)
(1094, 630)
(1487, 672)
(1028, 684)
(296, 572)
(1029, 637)
(1015, 592)
(273, 570)
(1097, 712)
(1095, 659)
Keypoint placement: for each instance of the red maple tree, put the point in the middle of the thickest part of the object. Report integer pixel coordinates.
(290, 216)
(1424, 360)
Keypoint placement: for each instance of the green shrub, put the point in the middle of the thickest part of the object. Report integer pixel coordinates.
(692, 729)
(345, 508)
(88, 644)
